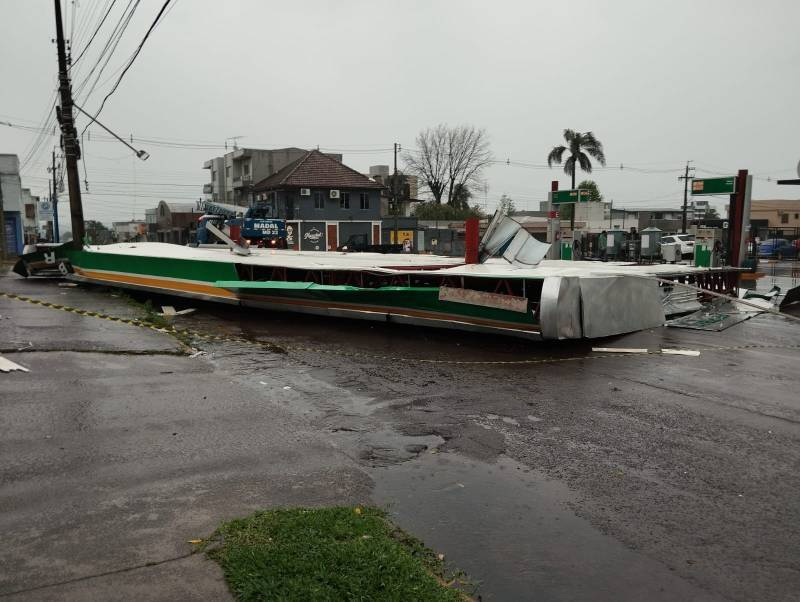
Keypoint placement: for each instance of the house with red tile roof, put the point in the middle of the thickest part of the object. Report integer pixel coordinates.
(323, 201)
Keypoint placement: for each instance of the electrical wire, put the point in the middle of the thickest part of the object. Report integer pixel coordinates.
(133, 58)
(87, 16)
(100, 25)
(108, 49)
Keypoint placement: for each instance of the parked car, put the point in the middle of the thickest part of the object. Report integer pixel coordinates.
(777, 247)
(686, 242)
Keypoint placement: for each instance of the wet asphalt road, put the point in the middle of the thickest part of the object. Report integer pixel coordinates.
(591, 477)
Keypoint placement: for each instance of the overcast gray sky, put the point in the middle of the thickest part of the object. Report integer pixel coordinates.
(657, 82)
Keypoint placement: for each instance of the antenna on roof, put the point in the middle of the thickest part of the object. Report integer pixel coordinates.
(235, 145)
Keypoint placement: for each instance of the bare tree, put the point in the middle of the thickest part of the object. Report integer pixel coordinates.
(449, 160)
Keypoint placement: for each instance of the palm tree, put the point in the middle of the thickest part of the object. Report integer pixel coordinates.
(580, 148)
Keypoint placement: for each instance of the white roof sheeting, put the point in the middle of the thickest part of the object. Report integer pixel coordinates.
(405, 263)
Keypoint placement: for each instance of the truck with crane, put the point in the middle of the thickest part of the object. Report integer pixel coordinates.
(253, 226)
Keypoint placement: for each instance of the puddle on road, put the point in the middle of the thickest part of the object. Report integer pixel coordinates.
(510, 528)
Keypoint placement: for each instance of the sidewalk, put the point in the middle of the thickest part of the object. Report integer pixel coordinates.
(112, 460)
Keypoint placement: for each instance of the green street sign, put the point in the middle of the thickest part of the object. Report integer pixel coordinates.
(702, 186)
(560, 197)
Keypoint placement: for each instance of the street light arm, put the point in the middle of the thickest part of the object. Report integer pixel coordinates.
(143, 155)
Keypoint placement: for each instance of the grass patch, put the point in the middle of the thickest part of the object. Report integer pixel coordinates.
(151, 316)
(327, 554)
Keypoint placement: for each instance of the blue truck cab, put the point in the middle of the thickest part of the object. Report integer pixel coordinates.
(255, 227)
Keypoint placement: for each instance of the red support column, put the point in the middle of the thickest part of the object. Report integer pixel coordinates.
(735, 219)
(471, 240)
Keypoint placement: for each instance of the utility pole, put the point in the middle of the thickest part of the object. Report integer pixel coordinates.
(54, 201)
(72, 151)
(685, 178)
(394, 191)
(2, 224)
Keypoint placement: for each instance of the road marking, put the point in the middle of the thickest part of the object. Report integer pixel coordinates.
(618, 350)
(690, 352)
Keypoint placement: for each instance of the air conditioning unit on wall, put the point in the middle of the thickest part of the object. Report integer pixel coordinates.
(305, 192)
(334, 194)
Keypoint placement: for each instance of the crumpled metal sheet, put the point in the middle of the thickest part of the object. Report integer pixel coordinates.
(677, 300)
(715, 317)
(524, 250)
(792, 297)
(505, 236)
(560, 308)
(619, 304)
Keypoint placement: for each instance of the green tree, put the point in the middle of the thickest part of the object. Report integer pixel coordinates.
(506, 205)
(580, 147)
(591, 186)
(98, 232)
(431, 210)
(461, 197)
(712, 213)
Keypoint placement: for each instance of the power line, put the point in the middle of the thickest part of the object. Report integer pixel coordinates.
(133, 58)
(87, 16)
(89, 43)
(110, 47)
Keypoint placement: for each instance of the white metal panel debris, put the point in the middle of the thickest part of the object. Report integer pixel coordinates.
(560, 308)
(617, 305)
(7, 365)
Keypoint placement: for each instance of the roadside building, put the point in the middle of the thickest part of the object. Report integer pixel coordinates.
(382, 174)
(30, 219)
(125, 231)
(697, 210)
(777, 213)
(150, 218)
(176, 223)
(593, 217)
(323, 201)
(668, 219)
(13, 209)
(233, 174)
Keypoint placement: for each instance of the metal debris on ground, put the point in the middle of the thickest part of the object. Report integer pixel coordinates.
(723, 313)
(168, 311)
(67, 284)
(792, 297)
(679, 300)
(197, 354)
(618, 350)
(9, 366)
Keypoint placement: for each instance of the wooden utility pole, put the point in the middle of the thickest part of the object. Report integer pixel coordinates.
(685, 178)
(72, 151)
(394, 193)
(54, 201)
(2, 223)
